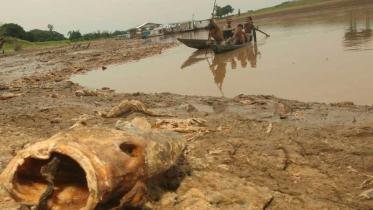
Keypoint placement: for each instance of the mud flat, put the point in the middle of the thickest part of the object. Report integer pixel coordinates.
(257, 151)
(252, 152)
(59, 63)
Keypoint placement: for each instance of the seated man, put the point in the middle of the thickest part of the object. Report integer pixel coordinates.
(228, 29)
(215, 32)
(239, 35)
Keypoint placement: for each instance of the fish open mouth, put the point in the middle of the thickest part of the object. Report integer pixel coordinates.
(70, 189)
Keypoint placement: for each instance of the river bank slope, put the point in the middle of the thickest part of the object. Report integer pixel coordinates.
(254, 152)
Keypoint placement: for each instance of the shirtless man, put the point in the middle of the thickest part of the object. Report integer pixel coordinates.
(215, 32)
(249, 28)
(239, 35)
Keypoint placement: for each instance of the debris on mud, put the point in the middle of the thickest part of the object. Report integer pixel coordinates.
(6, 96)
(3, 87)
(137, 123)
(367, 194)
(247, 146)
(343, 104)
(188, 108)
(127, 107)
(182, 125)
(86, 92)
(215, 191)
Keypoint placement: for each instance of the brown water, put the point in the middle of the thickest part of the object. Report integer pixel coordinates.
(325, 60)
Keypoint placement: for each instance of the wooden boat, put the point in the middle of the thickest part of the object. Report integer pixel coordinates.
(227, 47)
(196, 43)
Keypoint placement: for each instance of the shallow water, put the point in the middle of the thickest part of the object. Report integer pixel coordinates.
(325, 60)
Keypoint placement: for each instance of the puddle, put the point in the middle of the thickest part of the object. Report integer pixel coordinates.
(328, 60)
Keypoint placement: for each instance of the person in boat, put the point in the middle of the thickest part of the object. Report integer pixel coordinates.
(249, 29)
(228, 29)
(215, 32)
(239, 35)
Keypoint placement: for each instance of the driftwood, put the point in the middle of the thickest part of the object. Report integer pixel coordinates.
(129, 106)
(83, 168)
(80, 46)
(182, 125)
(7, 96)
(86, 92)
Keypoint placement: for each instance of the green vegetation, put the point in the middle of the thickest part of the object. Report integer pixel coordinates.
(12, 30)
(285, 6)
(38, 35)
(16, 38)
(118, 33)
(74, 35)
(223, 11)
(50, 27)
(98, 35)
(14, 44)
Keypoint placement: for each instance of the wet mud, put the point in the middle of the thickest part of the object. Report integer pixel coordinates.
(57, 64)
(284, 154)
(246, 152)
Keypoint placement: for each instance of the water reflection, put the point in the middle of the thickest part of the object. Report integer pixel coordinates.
(201, 34)
(357, 36)
(219, 63)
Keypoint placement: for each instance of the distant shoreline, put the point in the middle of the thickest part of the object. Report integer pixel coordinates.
(291, 9)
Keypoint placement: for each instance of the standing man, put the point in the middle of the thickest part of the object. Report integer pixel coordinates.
(215, 32)
(250, 29)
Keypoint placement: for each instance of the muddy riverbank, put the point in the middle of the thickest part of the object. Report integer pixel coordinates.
(254, 152)
(259, 151)
(59, 63)
(311, 10)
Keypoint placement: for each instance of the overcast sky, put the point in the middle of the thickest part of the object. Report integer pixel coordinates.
(93, 15)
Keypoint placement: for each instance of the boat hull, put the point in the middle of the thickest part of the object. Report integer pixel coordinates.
(226, 48)
(195, 43)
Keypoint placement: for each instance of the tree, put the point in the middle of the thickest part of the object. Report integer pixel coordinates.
(12, 30)
(37, 35)
(223, 11)
(239, 12)
(98, 35)
(50, 27)
(117, 33)
(74, 35)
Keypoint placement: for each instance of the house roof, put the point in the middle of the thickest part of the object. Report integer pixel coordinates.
(145, 25)
(131, 29)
